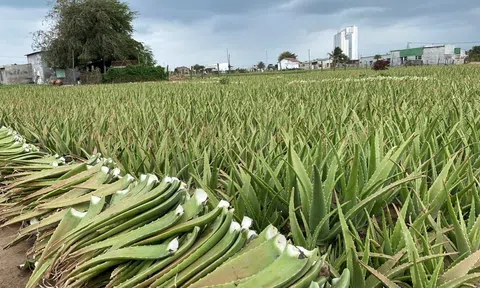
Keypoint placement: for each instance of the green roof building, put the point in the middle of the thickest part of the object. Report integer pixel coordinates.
(426, 55)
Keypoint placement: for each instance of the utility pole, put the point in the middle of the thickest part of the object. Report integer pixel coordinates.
(309, 62)
(266, 59)
(228, 61)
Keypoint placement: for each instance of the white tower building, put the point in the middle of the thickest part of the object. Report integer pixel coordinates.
(347, 40)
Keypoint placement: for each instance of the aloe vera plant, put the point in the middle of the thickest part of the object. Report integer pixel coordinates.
(380, 174)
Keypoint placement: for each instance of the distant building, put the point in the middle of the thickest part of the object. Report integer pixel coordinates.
(288, 64)
(182, 70)
(41, 72)
(122, 63)
(460, 55)
(367, 61)
(16, 74)
(219, 67)
(223, 67)
(322, 63)
(347, 40)
(426, 55)
(316, 64)
(306, 65)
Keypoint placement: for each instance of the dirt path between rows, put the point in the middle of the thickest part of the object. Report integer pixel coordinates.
(10, 275)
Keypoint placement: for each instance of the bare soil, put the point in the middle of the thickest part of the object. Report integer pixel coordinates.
(10, 275)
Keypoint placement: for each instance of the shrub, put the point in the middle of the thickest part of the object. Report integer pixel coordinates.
(224, 80)
(381, 65)
(136, 73)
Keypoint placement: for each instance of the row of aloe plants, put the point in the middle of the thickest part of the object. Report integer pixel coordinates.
(96, 228)
(371, 149)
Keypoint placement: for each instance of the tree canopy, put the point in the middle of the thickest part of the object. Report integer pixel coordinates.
(198, 67)
(261, 65)
(338, 57)
(286, 54)
(377, 57)
(88, 31)
(474, 54)
(145, 56)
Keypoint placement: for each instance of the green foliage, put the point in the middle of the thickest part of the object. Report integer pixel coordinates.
(261, 65)
(338, 57)
(224, 81)
(145, 56)
(381, 173)
(474, 54)
(198, 68)
(89, 30)
(286, 54)
(135, 74)
(140, 233)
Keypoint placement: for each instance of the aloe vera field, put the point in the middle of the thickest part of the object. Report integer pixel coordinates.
(372, 179)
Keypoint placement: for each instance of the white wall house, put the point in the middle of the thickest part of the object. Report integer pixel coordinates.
(426, 55)
(460, 55)
(220, 67)
(438, 55)
(223, 67)
(288, 64)
(347, 40)
(41, 72)
(316, 64)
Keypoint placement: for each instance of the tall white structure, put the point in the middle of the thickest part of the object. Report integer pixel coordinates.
(347, 40)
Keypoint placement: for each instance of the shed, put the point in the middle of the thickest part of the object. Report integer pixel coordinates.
(288, 64)
(40, 71)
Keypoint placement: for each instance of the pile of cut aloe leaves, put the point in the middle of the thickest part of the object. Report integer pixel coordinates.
(94, 227)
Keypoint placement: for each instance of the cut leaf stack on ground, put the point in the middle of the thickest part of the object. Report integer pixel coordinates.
(96, 228)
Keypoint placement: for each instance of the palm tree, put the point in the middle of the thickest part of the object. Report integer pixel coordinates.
(337, 57)
(261, 65)
(377, 57)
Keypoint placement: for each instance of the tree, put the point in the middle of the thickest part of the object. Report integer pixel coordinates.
(145, 56)
(198, 68)
(474, 54)
(337, 57)
(261, 65)
(377, 57)
(89, 31)
(286, 54)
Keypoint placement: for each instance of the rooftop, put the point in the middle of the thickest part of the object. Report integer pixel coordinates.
(291, 59)
(33, 53)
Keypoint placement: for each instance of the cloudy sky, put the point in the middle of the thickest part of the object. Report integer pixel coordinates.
(185, 32)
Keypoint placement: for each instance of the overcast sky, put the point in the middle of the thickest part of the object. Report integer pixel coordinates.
(185, 32)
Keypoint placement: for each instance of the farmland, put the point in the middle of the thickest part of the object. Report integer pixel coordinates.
(378, 170)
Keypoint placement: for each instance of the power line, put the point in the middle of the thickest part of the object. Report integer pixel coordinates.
(16, 57)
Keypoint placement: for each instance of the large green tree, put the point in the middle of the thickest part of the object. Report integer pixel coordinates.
(474, 54)
(338, 57)
(90, 30)
(286, 54)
